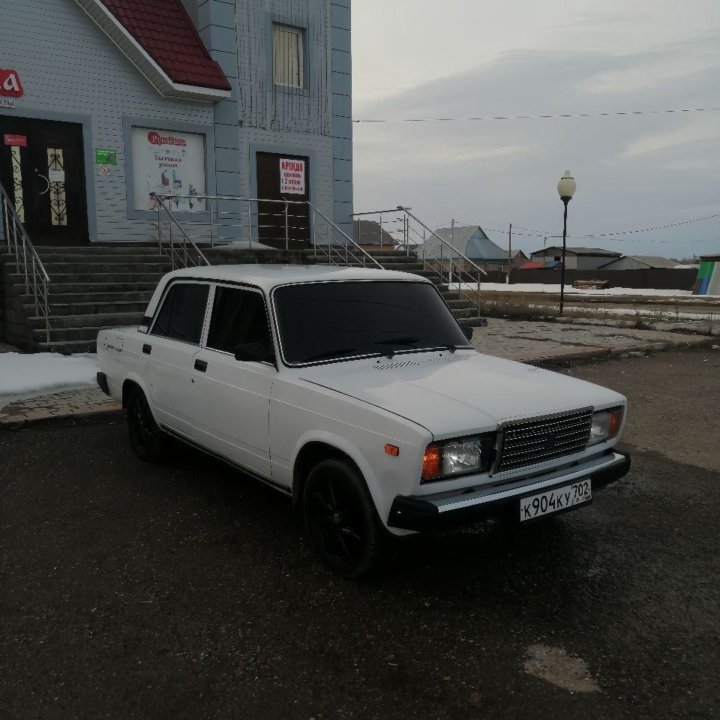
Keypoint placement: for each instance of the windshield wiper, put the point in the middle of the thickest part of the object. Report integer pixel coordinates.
(330, 354)
(396, 341)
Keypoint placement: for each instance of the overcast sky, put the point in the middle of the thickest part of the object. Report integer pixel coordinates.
(460, 58)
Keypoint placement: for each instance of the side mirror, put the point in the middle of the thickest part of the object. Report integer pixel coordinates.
(252, 352)
(467, 331)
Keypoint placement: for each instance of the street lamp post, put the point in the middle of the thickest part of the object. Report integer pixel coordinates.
(566, 189)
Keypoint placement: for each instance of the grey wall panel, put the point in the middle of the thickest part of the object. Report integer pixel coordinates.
(69, 68)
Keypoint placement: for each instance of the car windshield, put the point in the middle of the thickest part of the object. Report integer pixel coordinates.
(321, 322)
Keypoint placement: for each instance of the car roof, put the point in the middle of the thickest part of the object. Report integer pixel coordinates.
(268, 277)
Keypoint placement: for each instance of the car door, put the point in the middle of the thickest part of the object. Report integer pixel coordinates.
(171, 347)
(233, 396)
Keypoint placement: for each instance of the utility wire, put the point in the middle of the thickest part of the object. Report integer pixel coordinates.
(532, 232)
(626, 113)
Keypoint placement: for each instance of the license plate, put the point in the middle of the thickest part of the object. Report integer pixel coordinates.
(555, 500)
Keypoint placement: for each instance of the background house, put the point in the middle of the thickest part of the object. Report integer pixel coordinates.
(370, 236)
(576, 258)
(470, 241)
(639, 262)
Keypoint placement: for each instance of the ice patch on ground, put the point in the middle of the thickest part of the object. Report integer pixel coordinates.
(25, 375)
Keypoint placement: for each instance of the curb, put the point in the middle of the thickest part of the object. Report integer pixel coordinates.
(15, 423)
(580, 357)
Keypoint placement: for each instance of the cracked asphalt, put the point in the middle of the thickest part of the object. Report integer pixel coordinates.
(186, 590)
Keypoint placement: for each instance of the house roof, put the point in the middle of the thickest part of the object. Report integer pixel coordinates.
(469, 240)
(532, 265)
(594, 252)
(651, 261)
(160, 39)
(367, 232)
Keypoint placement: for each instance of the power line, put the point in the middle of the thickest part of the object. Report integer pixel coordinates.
(619, 113)
(532, 232)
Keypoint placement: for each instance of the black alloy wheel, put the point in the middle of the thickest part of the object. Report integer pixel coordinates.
(341, 519)
(147, 439)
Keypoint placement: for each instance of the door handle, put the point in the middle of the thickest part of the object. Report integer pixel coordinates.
(201, 365)
(46, 179)
(147, 349)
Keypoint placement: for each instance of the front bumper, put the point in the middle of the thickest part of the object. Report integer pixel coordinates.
(446, 510)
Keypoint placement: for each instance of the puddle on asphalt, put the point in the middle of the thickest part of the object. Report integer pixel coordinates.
(555, 666)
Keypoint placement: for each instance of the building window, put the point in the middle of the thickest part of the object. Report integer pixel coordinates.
(288, 56)
(168, 162)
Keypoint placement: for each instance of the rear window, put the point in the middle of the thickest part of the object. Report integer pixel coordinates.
(320, 322)
(182, 313)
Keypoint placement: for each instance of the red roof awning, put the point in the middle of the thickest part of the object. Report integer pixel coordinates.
(167, 34)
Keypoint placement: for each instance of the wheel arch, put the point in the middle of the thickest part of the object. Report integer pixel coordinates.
(314, 451)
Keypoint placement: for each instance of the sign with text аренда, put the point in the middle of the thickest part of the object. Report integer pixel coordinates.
(292, 177)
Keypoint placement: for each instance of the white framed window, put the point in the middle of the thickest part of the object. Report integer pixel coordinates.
(288, 56)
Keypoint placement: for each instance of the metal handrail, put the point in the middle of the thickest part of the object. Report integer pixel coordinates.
(443, 241)
(20, 245)
(348, 242)
(449, 261)
(173, 222)
(344, 252)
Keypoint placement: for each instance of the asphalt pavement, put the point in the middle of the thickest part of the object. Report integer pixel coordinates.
(186, 590)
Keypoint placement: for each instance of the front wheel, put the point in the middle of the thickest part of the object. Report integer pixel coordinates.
(147, 439)
(341, 521)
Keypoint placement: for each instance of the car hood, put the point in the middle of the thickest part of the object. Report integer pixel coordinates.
(463, 392)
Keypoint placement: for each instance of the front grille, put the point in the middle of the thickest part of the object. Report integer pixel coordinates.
(530, 442)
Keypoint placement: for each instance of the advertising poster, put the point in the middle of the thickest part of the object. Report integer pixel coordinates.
(168, 163)
(292, 177)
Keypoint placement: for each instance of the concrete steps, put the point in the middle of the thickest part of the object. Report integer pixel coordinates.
(90, 288)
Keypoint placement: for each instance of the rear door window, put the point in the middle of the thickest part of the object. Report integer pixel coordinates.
(183, 312)
(239, 318)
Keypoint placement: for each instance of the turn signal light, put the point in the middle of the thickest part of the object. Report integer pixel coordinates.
(431, 462)
(616, 417)
(393, 450)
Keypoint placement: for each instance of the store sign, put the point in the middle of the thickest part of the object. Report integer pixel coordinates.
(7, 102)
(15, 140)
(105, 156)
(168, 163)
(292, 177)
(10, 85)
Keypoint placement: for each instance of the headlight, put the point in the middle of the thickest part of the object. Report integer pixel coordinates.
(605, 425)
(461, 456)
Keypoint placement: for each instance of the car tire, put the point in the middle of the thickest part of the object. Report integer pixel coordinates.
(147, 439)
(341, 521)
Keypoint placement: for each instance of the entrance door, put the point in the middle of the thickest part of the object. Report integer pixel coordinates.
(283, 177)
(42, 168)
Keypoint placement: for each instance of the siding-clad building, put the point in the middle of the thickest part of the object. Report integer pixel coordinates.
(104, 102)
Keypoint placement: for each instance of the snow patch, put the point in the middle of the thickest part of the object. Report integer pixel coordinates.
(569, 290)
(23, 375)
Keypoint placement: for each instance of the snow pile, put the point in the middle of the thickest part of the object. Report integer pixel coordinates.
(570, 290)
(45, 372)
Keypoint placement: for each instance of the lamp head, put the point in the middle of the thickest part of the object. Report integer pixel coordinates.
(566, 187)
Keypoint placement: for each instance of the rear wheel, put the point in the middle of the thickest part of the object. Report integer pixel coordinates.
(341, 521)
(147, 439)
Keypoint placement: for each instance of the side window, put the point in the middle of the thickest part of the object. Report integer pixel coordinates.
(239, 318)
(182, 313)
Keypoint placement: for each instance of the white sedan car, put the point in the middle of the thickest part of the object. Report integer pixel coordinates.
(356, 393)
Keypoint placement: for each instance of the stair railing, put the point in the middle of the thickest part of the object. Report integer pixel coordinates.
(173, 239)
(223, 219)
(334, 245)
(409, 234)
(27, 261)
